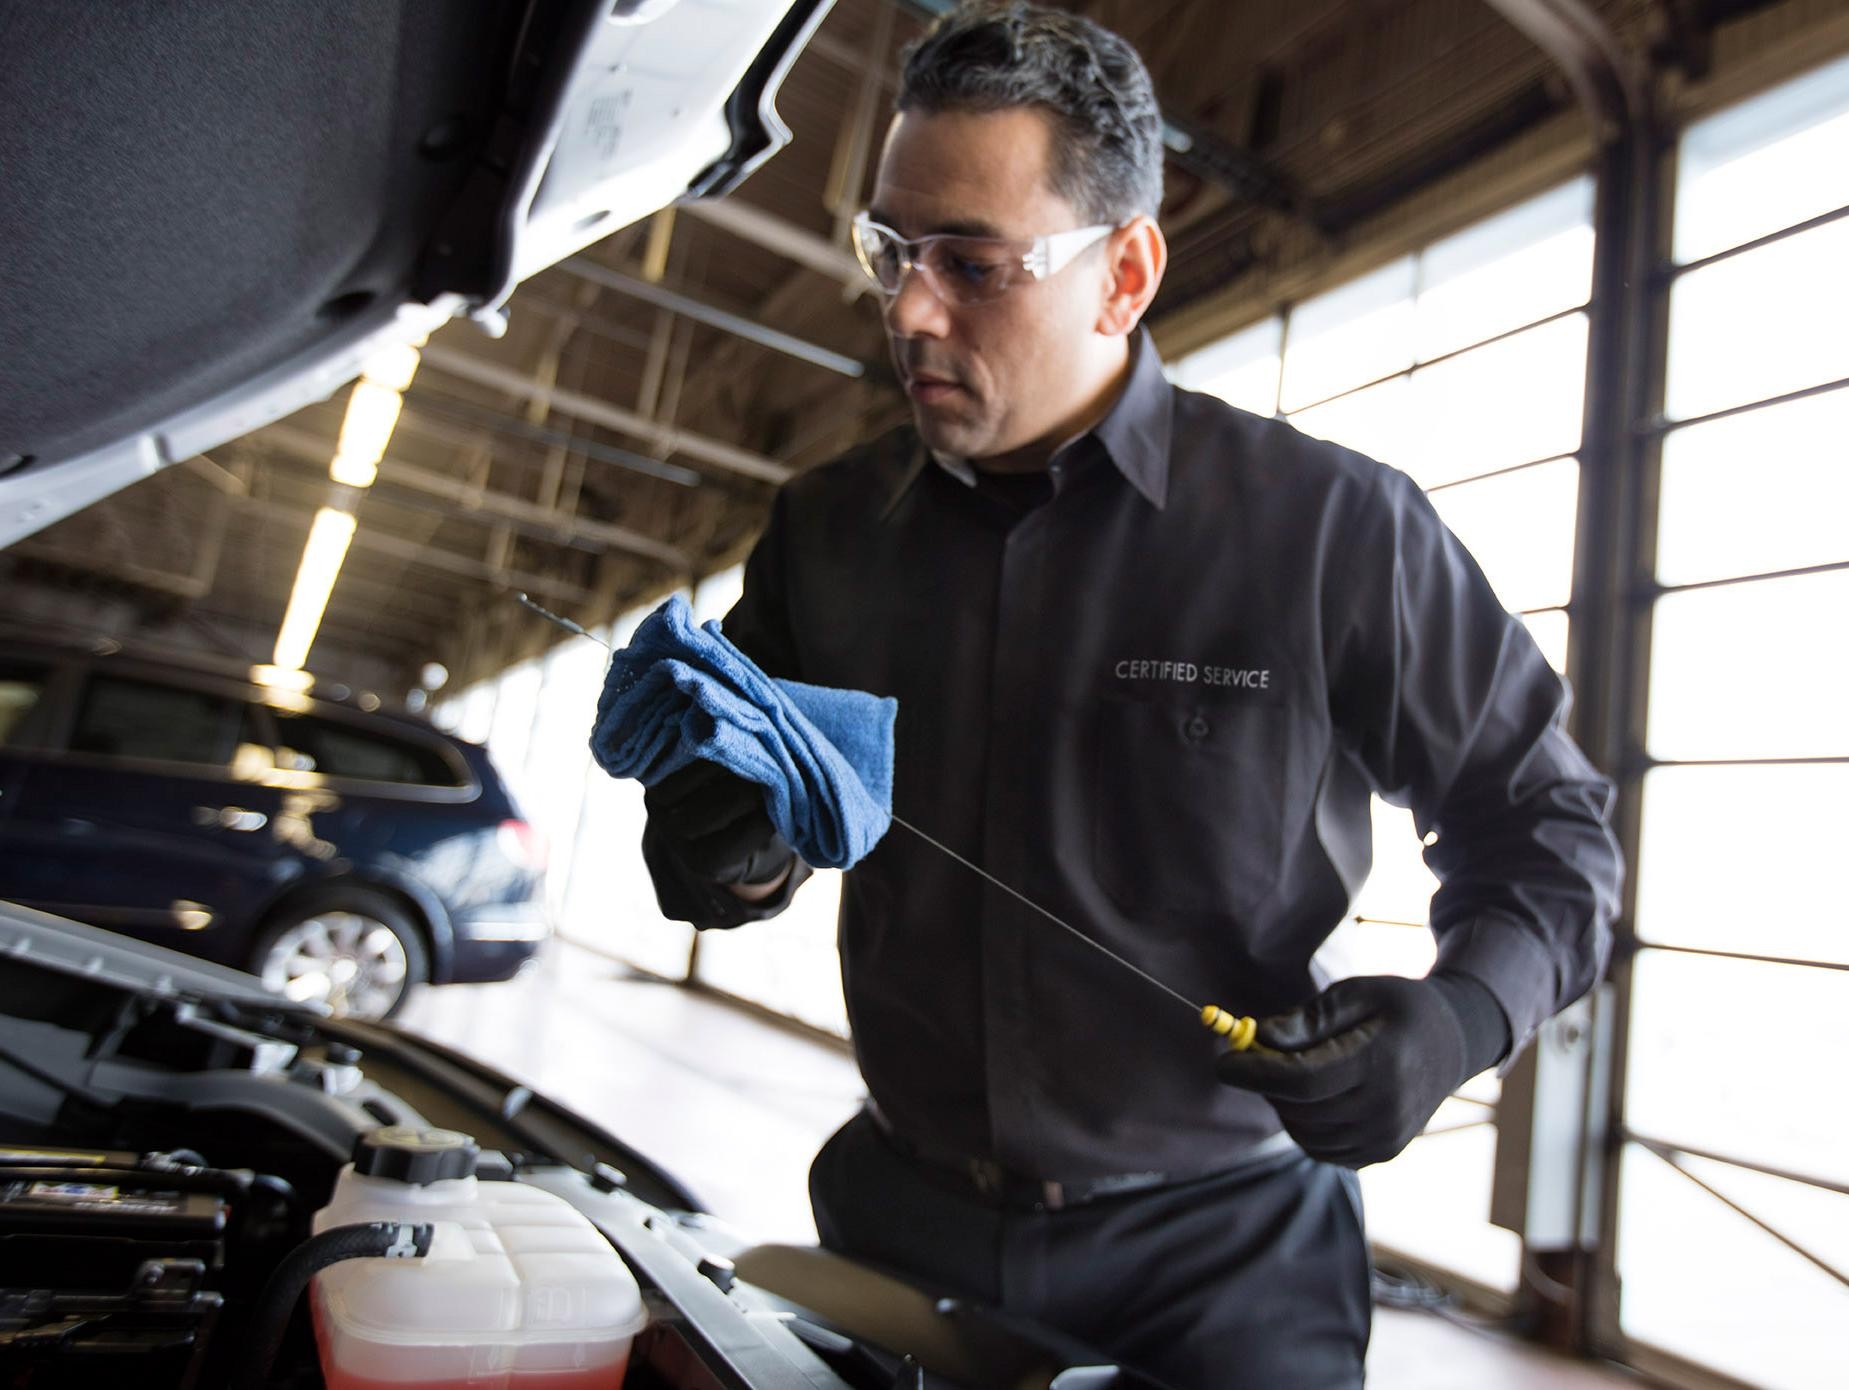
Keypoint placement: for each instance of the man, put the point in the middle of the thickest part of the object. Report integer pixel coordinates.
(1151, 654)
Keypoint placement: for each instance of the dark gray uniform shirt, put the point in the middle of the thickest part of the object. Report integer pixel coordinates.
(1157, 704)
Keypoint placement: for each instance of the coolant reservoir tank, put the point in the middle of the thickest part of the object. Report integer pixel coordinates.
(519, 1291)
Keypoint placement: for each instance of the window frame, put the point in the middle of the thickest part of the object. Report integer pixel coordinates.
(84, 687)
(1635, 443)
(1577, 184)
(1565, 1196)
(70, 685)
(463, 777)
(40, 721)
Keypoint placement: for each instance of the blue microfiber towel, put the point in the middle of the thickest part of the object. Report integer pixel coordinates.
(679, 692)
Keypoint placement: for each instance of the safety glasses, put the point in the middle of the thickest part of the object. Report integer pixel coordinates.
(966, 269)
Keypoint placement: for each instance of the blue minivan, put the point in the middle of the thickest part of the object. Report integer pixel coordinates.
(343, 853)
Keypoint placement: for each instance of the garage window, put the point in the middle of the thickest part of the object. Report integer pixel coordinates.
(1732, 1230)
(306, 743)
(142, 720)
(1464, 364)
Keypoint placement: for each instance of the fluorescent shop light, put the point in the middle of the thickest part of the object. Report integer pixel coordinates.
(354, 472)
(392, 367)
(372, 411)
(276, 678)
(327, 545)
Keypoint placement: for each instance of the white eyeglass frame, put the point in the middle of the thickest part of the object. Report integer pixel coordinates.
(1046, 256)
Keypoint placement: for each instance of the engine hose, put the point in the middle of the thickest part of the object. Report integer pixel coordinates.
(280, 1188)
(241, 1180)
(269, 1317)
(184, 1158)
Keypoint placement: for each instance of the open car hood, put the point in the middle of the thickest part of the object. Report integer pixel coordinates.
(211, 214)
(38, 941)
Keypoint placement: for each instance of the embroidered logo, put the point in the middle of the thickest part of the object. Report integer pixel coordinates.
(1191, 673)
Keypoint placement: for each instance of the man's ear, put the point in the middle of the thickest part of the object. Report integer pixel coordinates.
(1138, 255)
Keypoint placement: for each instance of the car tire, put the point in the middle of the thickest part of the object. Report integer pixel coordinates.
(353, 949)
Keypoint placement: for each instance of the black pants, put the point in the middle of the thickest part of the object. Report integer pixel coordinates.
(1257, 1277)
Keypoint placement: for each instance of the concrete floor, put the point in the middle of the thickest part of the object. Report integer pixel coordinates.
(685, 1078)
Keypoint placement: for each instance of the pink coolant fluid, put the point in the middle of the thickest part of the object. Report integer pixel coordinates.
(548, 1380)
(606, 1377)
(519, 1291)
(561, 1380)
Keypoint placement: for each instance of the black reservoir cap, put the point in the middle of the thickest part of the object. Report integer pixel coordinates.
(406, 1153)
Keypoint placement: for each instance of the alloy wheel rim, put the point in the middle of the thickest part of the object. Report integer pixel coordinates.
(354, 964)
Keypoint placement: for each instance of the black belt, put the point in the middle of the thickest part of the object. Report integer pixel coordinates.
(990, 1182)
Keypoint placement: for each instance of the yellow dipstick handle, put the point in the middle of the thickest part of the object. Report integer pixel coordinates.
(1237, 1030)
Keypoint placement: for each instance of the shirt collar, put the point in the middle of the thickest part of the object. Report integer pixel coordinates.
(1135, 432)
(1137, 429)
(955, 465)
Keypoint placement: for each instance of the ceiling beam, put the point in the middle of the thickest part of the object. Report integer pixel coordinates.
(419, 410)
(360, 580)
(854, 59)
(530, 299)
(665, 439)
(467, 498)
(254, 611)
(119, 568)
(782, 238)
(338, 642)
(1243, 173)
(429, 556)
(725, 320)
(1588, 54)
(847, 170)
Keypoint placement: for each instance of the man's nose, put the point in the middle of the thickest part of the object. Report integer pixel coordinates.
(915, 311)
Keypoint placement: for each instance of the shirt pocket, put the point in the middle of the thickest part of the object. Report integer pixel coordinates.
(1188, 804)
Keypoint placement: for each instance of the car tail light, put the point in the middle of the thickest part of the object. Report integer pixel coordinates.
(523, 843)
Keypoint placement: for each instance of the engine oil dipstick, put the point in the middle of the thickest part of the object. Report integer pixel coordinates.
(1239, 1030)
(1236, 1029)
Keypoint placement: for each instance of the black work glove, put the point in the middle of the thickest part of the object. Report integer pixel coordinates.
(1355, 1073)
(715, 823)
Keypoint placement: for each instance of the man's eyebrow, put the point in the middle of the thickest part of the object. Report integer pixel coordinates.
(965, 227)
(953, 227)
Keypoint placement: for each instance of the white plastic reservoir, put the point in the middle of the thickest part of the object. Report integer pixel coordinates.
(518, 1292)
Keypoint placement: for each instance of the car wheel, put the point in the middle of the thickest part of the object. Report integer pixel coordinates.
(354, 950)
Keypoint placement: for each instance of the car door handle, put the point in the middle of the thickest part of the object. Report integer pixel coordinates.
(229, 818)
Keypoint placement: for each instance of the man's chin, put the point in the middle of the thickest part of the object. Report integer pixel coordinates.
(947, 434)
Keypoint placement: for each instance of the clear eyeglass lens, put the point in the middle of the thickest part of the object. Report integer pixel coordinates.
(964, 270)
(880, 255)
(973, 269)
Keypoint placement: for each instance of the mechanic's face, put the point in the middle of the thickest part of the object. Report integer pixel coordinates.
(1006, 379)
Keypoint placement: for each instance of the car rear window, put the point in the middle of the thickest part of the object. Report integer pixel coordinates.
(139, 719)
(308, 743)
(20, 689)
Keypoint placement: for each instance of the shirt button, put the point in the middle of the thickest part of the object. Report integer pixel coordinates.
(1197, 728)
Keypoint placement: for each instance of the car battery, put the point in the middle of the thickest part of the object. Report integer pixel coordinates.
(102, 1272)
(82, 1233)
(17, 1156)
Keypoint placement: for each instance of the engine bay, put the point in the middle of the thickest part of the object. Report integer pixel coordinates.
(171, 1138)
